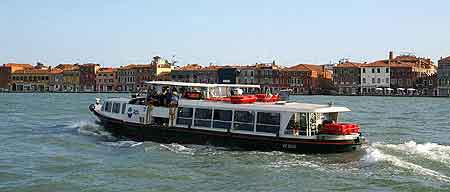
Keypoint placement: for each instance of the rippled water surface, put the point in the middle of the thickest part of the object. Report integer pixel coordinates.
(50, 143)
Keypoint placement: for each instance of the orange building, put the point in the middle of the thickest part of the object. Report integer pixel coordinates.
(6, 71)
(30, 80)
(106, 80)
(71, 77)
(304, 79)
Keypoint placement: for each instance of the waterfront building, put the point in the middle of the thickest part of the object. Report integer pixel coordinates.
(106, 80)
(347, 78)
(56, 82)
(264, 73)
(71, 77)
(247, 75)
(88, 76)
(131, 77)
(375, 77)
(195, 73)
(126, 76)
(161, 65)
(443, 76)
(412, 75)
(5, 74)
(186, 73)
(143, 73)
(304, 79)
(30, 80)
(228, 75)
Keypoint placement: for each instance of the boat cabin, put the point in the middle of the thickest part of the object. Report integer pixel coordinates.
(216, 109)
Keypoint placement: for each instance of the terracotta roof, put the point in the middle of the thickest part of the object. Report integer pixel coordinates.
(190, 67)
(379, 63)
(32, 71)
(134, 66)
(304, 67)
(106, 70)
(406, 58)
(212, 67)
(67, 66)
(445, 59)
(348, 65)
(56, 71)
(18, 65)
(247, 67)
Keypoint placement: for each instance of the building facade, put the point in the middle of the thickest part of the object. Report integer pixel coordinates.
(6, 71)
(30, 80)
(56, 82)
(347, 78)
(227, 75)
(106, 80)
(304, 78)
(88, 76)
(443, 77)
(264, 76)
(375, 78)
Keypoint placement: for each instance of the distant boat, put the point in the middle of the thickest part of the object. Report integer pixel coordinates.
(220, 114)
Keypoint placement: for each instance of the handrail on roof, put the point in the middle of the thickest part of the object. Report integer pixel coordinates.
(174, 83)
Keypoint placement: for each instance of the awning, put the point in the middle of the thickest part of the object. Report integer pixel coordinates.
(379, 89)
(411, 89)
(389, 89)
(401, 89)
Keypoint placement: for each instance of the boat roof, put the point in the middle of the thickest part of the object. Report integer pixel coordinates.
(118, 99)
(286, 107)
(184, 84)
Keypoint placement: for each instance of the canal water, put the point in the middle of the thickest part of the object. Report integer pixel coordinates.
(49, 142)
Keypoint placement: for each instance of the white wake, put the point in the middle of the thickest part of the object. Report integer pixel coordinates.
(374, 155)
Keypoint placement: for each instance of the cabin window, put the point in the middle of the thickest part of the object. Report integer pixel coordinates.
(222, 119)
(116, 108)
(184, 116)
(203, 117)
(244, 120)
(268, 122)
(108, 106)
(124, 106)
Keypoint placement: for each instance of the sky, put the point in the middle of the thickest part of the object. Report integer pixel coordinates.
(118, 32)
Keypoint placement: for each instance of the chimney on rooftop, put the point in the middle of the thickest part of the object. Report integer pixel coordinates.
(391, 55)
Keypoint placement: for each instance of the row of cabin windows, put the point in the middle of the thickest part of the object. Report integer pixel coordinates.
(223, 119)
(113, 107)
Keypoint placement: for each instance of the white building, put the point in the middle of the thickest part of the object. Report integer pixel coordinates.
(375, 77)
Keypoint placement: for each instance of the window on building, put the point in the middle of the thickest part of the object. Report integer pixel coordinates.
(387, 80)
(364, 70)
(244, 120)
(203, 117)
(378, 80)
(378, 70)
(373, 80)
(387, 70)
(364, 80)
(116, 108)
(268, 122)
(222, 119)
(373, 70)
